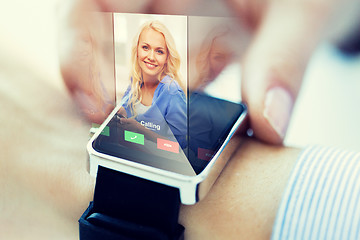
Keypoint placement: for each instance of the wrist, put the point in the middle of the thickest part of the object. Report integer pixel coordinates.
(244, 200)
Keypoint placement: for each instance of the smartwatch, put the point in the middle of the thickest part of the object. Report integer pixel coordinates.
(149, 163)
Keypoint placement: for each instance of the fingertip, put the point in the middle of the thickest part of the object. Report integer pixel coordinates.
(270, 105)
(273, 70)
(278, 107)
(262, 129)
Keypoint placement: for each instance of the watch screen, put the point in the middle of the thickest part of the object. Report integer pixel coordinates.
(178, 91)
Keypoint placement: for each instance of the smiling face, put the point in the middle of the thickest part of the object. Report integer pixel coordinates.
(152, 54)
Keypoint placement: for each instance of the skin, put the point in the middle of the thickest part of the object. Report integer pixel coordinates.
(43, 177)
(46, 187)
(220, 55)
(275, 59)
(86, 57)
(152, 56)
(243, 202)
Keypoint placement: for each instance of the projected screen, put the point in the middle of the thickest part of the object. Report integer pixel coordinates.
(178, 91)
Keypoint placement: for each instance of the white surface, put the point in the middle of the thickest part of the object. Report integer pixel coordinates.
(327, 111)
(28, 30)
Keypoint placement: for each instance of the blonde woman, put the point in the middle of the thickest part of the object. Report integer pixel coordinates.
(155, 99)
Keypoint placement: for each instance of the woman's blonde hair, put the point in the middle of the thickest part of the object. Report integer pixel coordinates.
(171, 67)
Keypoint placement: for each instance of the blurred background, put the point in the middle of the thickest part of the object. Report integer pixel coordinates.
(327, 110)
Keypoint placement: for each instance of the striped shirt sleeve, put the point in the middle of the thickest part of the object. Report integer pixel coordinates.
(322, 199)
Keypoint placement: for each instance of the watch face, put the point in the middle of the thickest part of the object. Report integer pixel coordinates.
(181, 100)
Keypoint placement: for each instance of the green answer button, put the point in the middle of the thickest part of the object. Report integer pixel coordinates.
(134, 137)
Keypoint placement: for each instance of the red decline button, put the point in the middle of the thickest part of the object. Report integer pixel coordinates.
(205, 154)
(167, 145)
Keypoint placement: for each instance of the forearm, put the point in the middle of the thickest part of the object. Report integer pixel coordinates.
(51, 148)
(43, 180)
(244, 200)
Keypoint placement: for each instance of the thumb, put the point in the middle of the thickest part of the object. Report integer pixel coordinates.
(274, 66)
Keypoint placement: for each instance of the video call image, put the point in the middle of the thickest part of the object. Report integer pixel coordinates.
(176, 91)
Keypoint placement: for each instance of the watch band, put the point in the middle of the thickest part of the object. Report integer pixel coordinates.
(129, 207)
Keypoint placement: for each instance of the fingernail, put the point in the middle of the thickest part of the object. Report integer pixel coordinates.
(278, 108)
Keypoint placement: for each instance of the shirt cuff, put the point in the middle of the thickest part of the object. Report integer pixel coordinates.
(322, 198)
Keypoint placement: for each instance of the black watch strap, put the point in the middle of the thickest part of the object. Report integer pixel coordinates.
(129, 207)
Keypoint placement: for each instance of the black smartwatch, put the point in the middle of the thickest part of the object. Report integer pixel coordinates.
(148, 160)
(129, 207)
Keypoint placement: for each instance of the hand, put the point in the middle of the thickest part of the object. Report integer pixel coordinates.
(44, 184)
(285, 35)
(86, 50)
(46, 187)
(86, 58)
